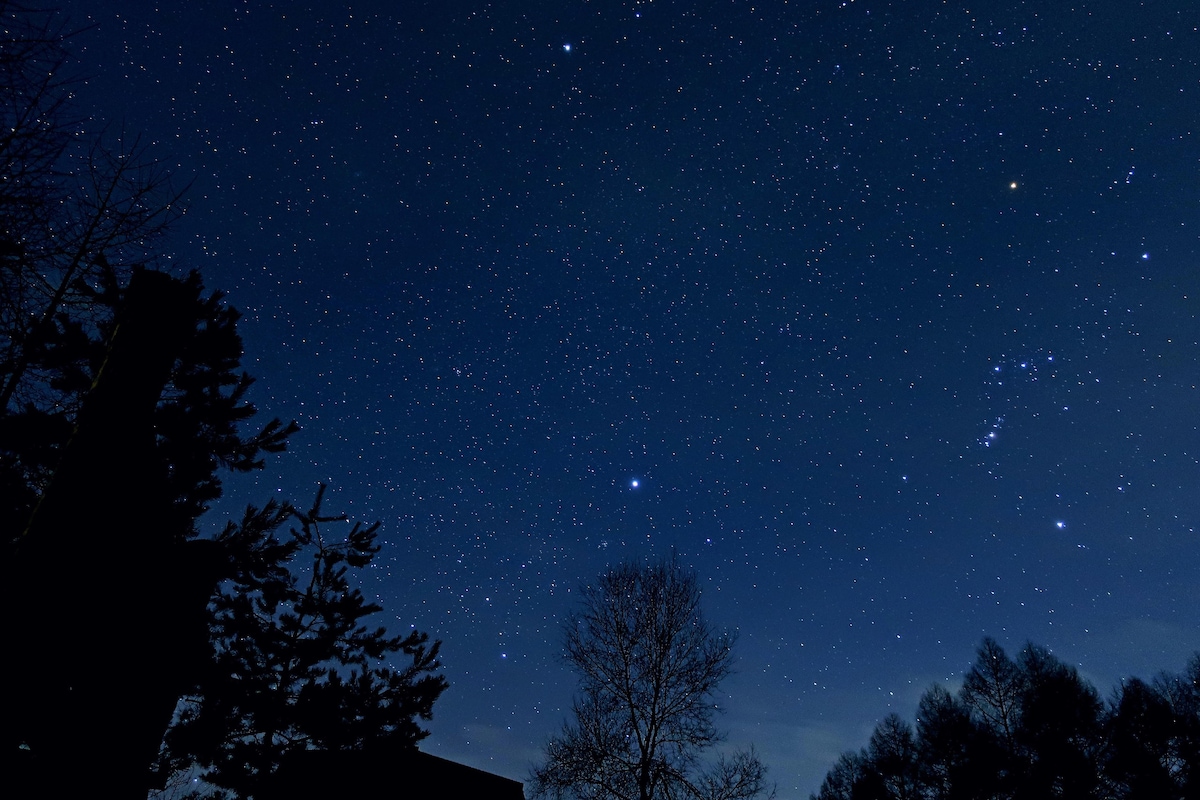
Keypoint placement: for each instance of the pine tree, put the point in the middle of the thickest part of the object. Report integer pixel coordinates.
(294, 667)
(112, 534)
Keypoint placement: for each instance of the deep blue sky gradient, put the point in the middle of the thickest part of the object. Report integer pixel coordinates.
(889, 308)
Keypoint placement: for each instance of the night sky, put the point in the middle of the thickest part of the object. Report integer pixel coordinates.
(882, 316)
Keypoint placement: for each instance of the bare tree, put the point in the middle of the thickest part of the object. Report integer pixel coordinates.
(992, 690)
(75, 215)
(649, 666)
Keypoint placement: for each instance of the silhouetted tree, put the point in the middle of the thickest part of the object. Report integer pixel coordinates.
(1139, 762)
(959, 759)
(887, 769)
(294, 667)
(992, 691)
(1059, 732)
(1182, 695)
(1032, 728)
(112, 531)
(196, 414)
(649, 666)
(75, 219)
(73, 212)
(847, 779)
(892, 752)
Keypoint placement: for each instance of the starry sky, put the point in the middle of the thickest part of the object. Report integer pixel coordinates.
(881, 315)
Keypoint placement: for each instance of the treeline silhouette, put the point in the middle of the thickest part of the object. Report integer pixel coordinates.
(1030, 728)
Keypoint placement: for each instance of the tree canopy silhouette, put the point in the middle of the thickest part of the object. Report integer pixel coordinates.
(1033, 728)
(293, 666)
(649, 666)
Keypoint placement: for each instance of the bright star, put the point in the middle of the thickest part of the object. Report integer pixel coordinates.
(1060, 525)
(633, 484)
(567, 47)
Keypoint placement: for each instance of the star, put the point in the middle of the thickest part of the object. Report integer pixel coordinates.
(567, 47)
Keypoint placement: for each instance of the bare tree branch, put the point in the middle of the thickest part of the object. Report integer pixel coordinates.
(649, 666)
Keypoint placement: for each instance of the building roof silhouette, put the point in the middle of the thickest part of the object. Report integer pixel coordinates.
(387, 774)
